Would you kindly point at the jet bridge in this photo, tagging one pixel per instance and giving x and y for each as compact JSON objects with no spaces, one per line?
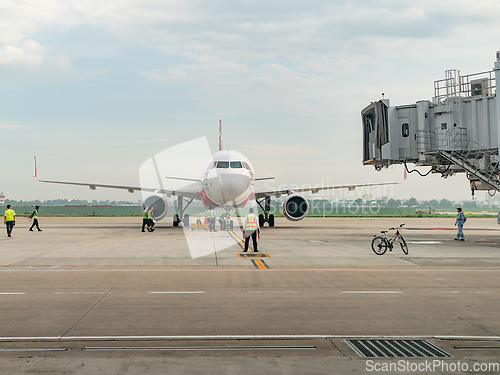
{"x":457,"y":132}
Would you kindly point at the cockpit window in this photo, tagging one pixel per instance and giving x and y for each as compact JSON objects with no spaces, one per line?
{"x":212,"y":165}
{"x":246,"y":165}
{"x":222,"y":164}
{"x":236,"y":164}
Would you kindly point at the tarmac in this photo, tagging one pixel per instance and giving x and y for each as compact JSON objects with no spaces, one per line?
{"x":98,"y":296}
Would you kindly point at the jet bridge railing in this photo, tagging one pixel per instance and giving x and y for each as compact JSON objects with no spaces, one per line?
{"x":458,"y":86}
{"x":479,"y":162}
{"x":431,"y":141}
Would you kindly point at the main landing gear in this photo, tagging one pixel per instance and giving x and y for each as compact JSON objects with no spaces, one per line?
{"x":181,"y":217}
{"x":266,"y":217}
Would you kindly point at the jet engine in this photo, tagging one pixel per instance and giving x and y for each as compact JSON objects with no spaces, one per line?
{"x":295,"y":207}
{"x":159,"y":204}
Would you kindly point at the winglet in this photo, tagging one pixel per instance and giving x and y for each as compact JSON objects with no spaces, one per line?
{"x":36,"y":174}
{"x":220,"y":135}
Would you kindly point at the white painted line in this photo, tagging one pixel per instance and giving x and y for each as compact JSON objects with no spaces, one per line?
{"x":200,"y":348}
{"x":371,"y":292}
{"x":458,"y":292}
{"x":273,"y":291}
{"x":80,"y":292}
{"x":424,"y":242}
{"x":176,"y":292}
{"x":7,"y":294}
{"x":34,"y":350}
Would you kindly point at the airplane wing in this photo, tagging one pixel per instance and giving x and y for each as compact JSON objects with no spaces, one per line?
{"x":188,"y":193}
{"x":315,"y":189}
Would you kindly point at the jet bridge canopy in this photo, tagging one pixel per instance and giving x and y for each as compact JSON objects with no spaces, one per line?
{"x":375,"y":131}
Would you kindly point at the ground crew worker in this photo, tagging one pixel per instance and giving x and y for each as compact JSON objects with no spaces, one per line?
{"x":34,"y":216}
{"x":144,"y":218}
{"x":151,"y":220}
{"x":461,"y":219}
{"x":212,"y":216}
{"x":250,"y":229}
{"x":9,"y":219}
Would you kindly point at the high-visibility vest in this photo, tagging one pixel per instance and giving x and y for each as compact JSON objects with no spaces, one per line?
{"x":213,"y":214}
{"x":9,"y":215}
{"x":150,"y":215}
{"x":145,"y":214}
{"x":35,"y":214}
{"x":251,"y":222}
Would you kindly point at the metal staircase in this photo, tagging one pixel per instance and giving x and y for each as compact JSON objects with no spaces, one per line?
{"x":480,"y":163}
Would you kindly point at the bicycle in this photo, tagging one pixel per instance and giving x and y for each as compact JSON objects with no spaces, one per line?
{"x":380,"y":243}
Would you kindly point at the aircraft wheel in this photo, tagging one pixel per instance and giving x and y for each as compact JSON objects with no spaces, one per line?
{"x":231,"y":225}
{"x":222,"y":225}
{"x":261,"y":220}
{"x":271,"y":220}
{"x":176,"y":220}
{"x":186,"y":220}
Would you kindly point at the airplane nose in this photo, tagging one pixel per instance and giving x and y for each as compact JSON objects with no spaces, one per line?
{"x":234,"y":186}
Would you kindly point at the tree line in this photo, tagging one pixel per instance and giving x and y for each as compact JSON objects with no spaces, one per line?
{"x":66,"y":202}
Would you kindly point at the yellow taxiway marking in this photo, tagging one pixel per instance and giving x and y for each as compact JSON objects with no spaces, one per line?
{"x":237,"y":239}
{"x":253,"y":255}
{"x":260,"y":264}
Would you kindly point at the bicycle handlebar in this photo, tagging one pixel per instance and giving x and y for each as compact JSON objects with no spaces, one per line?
{"x":401,"y":226}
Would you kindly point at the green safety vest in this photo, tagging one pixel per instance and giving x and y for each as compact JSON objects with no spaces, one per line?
{"x":145,"y":214}
{"x":150,"y":215}
{"x":251,"y":222}
{"x":9,"y":215}
{"x":35,"y":214}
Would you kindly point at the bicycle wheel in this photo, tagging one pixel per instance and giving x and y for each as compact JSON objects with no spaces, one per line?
{"x":403,"y":244}
{"x":379,"y":245}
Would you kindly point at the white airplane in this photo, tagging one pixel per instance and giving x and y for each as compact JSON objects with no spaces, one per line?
{"x":228,"y":181}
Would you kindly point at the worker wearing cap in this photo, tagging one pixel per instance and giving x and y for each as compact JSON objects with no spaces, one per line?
{"x":9,"y":219}
{"x":250,"y":229}
{"x":144,"y":218}
{"x":34,"y":216}
{"x":461,"y":219}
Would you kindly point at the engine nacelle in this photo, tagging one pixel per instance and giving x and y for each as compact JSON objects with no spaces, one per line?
{"x":159,"y":204}
{"x":295,"y":207}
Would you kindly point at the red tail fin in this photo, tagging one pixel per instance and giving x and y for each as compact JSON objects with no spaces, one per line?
{"x":220,"y":135}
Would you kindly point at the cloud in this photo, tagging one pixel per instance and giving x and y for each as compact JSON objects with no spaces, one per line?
{"x":19,"y":20}
{"x":29,"y":52}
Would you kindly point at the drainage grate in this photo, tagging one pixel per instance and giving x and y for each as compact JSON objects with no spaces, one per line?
{"x":395,"y":348}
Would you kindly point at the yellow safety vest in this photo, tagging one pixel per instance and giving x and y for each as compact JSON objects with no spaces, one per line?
{"x":9,"y":215}
{"x":35,"y":214}
{"x":145,"y":214}
{"x":251,"y":222}
{"x":150,"y":215}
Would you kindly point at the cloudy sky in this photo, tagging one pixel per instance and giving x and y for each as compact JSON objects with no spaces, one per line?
{"x":95,"y":88}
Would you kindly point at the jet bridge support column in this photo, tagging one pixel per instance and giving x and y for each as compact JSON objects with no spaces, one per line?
{"x":496,"y":68}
